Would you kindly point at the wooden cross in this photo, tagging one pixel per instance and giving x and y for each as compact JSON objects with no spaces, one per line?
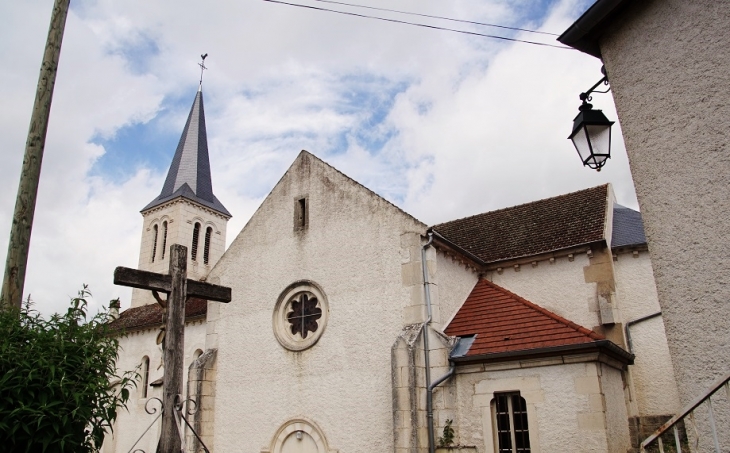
{"x":178,"y":288}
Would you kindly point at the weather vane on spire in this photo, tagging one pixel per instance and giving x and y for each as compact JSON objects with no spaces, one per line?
{"x":202,"y":68}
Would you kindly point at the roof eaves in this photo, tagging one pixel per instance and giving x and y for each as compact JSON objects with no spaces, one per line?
{"x":583,"y":34}
{"x":610,"y":348}
{"x":476,"y":261}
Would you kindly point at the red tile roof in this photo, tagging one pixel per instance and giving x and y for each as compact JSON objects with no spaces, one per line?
{"x":529,"y":229}
{"x":151,"y":315}
{"x":505,"y":322}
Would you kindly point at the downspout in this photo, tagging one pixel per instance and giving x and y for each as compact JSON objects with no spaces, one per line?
{"x":426,"y":348}
{"x":429,"y":404}
{"x":636,"y":321}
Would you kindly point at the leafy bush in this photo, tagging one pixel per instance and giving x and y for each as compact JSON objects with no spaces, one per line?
{"x":59,"y":391}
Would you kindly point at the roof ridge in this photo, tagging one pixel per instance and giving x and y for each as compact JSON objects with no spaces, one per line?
{"x":523,"y":204}
{"x":546,"y":312}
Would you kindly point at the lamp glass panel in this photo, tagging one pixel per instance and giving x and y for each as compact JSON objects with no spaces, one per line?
{"x":600,"y":137}
{"x":580,"y":140}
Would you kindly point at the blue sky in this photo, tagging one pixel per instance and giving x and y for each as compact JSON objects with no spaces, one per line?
{"x":444,"y":125}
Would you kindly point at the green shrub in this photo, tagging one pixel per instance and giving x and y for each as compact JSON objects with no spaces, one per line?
{"x":55,"y":375}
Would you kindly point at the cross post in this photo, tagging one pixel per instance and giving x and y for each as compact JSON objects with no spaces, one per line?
{"x":178,"y":288}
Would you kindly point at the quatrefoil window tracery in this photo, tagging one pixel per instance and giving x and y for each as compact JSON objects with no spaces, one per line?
{"x":304,"y":314}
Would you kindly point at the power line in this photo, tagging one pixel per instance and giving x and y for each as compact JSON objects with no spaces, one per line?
{"x":433,"y":27}
{"x":439,"y":17}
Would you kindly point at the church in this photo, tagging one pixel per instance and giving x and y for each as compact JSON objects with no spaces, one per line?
{"x":354,"y":327}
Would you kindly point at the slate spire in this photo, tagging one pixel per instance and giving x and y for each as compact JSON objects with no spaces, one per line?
{"x":189,"y":174}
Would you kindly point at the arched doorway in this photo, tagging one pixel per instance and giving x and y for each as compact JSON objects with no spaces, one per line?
{"x":299,"y":436}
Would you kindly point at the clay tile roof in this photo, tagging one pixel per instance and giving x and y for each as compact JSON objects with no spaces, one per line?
{"x":529,"y":229}
{"x":505,"y":322}
{"x":151,"y":315}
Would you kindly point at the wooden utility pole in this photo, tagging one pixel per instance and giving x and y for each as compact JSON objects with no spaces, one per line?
{"x":178,"y":288}
{"x":17,"y":259}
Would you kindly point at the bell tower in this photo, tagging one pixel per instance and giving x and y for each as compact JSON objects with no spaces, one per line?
{"x":186,"y":211}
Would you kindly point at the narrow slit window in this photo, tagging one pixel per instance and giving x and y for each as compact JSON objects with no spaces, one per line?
{"x":206,"y":250}
{"x":145,"y":375}
{"x":301,"y":216}
{"x":194,"y":248}
{"x":164,"y":238}
{"x":510,"y":416}
{"x":154,"y":242}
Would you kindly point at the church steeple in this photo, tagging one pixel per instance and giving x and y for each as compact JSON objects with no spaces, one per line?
{"x":189,"y":174}
{"x":186,"y":211}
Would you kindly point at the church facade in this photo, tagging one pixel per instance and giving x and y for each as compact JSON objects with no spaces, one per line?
{"x":354,"y":327}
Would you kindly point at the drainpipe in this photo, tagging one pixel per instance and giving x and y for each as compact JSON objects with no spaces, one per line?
{"x":429,"y":404}
{"x":426,"y":348}
{"x":636,"y":321}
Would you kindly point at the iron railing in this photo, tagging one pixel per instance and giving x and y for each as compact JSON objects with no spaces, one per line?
{"x":688,"y":414}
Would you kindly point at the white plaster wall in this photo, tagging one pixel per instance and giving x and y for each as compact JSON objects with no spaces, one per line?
{"x":559,"y":287}
{"x":652,"y":373}
{"x":668,"y":66}
{"x":352,"y":250}
{"x":565,"y":406}
{"x":132,"y":422}
{"x":452,"y":284}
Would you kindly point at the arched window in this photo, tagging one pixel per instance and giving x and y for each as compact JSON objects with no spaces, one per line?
{"x":509,"y":411}
{"x":164,"y":238}
{"x":145,"y":375}
{"x":154,"y":242}
{"x":206,"y":250}
{"x":194,"y":248}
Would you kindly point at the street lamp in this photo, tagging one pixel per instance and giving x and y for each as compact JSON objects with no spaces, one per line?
{"x":591,"y":134}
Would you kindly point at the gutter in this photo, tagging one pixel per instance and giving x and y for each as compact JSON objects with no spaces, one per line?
{"x":583,"y":34}
{"x":605,"y":345}
{"x":636,"y":321}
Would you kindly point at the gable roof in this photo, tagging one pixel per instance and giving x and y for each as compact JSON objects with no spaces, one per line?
{"x":151,"y":315}
{"x":529,"y":229}
{"x":189,"y":173}
{"x":505,"y":322}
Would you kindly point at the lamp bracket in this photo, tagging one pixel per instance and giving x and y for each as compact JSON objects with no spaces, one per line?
{"x":586,"y":96}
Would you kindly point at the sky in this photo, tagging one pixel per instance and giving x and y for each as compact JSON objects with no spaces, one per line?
{"x":443,"y":124}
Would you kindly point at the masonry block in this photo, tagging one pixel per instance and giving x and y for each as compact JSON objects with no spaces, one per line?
{"x":586,"y":385}
{"x":592,"y":421}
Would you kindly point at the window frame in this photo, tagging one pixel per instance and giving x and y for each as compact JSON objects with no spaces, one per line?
{"x":510,"y":412}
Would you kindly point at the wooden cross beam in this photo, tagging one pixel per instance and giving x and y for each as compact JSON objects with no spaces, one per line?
{"x":178,"y":288}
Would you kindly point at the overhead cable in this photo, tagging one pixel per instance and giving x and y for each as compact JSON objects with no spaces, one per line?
{"x":433,"y":27}
{"x":439,"y":17}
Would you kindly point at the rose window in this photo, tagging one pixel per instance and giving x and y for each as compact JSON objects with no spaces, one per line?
{"x":300,"y":315}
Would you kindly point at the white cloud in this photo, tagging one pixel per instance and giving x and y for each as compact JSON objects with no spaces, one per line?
{"x":475,"y":124}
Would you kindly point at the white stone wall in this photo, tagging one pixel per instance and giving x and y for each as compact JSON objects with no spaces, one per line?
{"x":559,"y":286}
{"x":668,"y":66}
{"x":655,"y":388}
{"x":566,"y":405}
{"x":451,"y":286}
{"x":181,"y":216}
{"x":352,"y":250}
{"x":131,"y":423}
